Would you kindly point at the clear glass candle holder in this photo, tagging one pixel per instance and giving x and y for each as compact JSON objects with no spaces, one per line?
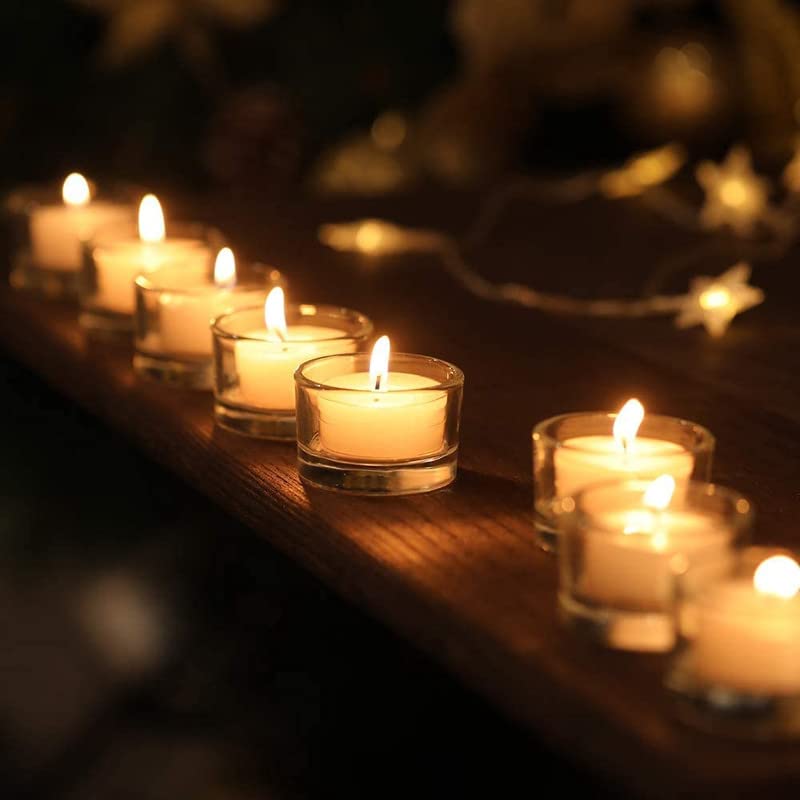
{"x":737,"y":670}
{"x":175,"y":308}
{"x":572,"y":451}
{"x":620,"y":558}
{"x":400,"y":440}
{"x":254,"y":388}
{"x":115,"y":257}
{"x":48,"y":235}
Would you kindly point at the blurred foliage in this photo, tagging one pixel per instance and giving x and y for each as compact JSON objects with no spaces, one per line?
{"x":96,"y":92}
{"x":249,"y":95}
{"x":136,"y":26}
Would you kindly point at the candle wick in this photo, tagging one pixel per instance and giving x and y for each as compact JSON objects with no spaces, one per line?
{"x":377,"y":382}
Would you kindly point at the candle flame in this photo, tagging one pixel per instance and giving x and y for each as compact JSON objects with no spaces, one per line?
{"x":658,"y":494}
{"x":779,"y":576}
{"x":657,"y":497}
{"x":379,"y":365}
{"x":225,"y":268}
{"x":75,"y":190}
{"x":638,"y":521}
{"x":151,"y":220}
{"x":627,"y":423}
{"x":275,"y":314}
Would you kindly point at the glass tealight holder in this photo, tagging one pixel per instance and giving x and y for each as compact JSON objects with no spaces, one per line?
{"x":175,"y":308}
{"x":737,"y":670}
{"x":254,"y":388}
{"x":572,"y":451}
{"x":619,"y":559}
{"x":48,"y":236}
{"x":115,"y":256}
{"x":400,"y":439}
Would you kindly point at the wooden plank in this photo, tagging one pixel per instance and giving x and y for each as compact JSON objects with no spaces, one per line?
{"x":458,"y":572}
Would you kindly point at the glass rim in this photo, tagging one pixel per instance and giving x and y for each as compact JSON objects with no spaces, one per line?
{"x":144,"y":282}
{"x":198,"y":233}
{"x":364,"y":326}
{"x":741,"y":517}
{"x":457,"y":379}
{"x":22,"y":199}
{"x":542,"y":430}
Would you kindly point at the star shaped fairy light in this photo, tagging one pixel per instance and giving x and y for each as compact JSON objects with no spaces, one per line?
{"x":714,"y":302}
{"x":735,"y":196}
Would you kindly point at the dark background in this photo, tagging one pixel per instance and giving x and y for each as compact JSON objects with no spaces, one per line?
{"x":248,"y":95}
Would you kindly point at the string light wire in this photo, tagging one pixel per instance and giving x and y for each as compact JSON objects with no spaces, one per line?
{"x":643,"y":175}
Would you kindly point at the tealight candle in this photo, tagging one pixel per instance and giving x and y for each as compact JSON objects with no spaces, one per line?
{"x":738,"y":671}
{"x":258,"y":351}
{"x":118,"y":256}
{"x":118,"y":263}
{"x":58,"y":231}
{"x":747,"y":635}
{"x":267,"y":357}
{"x":623,"y":544}
{"x":177,"y":306}
{"x":366,"y":428}
{"x":380,"y":415}
{"x":582,"y":460}
{"x":631,"y":567}
{"x":573,"y":451}
{"x":50,"y":230}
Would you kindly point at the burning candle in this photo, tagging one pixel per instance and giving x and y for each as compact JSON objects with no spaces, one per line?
{"x":630,"y":567}
{"x":381,"y":415}
{"x":176,"y":307}
{"x":266,"y":358}
{"x":193,"y":299}
{"x":367,"y":427}
{"x":572,"y":451}
{"x":256,"y":353}
{"x":58,"y":231}
{"x":118,"y":261}
{"x":625,"y":544}
{"x":581,"y":460}
{"x":747,"y":635}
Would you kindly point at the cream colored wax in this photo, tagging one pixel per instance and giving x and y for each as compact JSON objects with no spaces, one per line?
{"x":748,"y":640}
{"x":266,"y":365}
{"x":583,"y":460}
{"x":398,"y":424}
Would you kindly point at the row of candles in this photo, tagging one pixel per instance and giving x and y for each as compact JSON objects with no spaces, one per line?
{"x":652,"y":555}
{"x":278,"y":370}
{"x":650,"y":552}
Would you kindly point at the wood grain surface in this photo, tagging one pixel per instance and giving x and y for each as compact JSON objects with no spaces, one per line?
{"x":458,"y":572}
